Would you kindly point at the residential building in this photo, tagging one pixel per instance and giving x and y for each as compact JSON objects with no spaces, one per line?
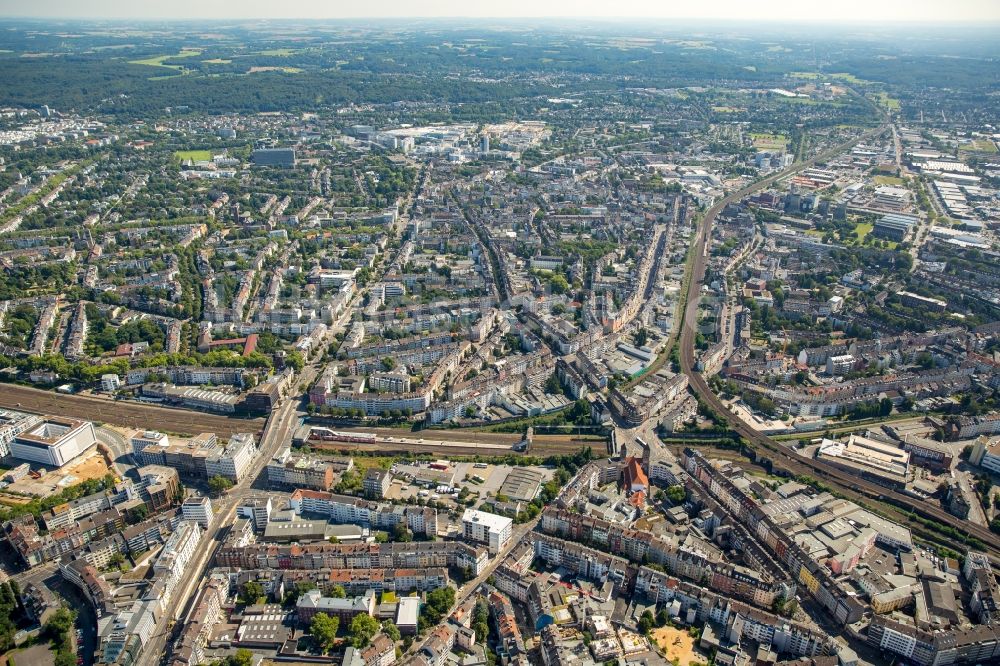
{"x":376,"y":483}
{"x":313,"y":602}
{"x":300,"y":471}
{"x":110,"y":382}
{"x":487,"y":528}
{"x":986,"y":453}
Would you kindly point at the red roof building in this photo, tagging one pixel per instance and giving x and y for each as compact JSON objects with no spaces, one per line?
{"x":634,"y":479}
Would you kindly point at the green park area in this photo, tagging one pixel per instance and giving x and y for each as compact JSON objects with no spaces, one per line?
{"x":862,"y":229}
{"x":193,"y":155}
{"x":764,"y":141}
{"x":888,"y":101}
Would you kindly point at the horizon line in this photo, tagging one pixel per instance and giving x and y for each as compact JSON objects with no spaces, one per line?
{"x":991,"y":22}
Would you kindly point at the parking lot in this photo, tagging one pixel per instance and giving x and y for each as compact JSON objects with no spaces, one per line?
{"x":433,"y":480}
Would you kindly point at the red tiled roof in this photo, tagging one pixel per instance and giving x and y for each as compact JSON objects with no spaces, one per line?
{"x":634,"y":474}
{"x":251,"y":344}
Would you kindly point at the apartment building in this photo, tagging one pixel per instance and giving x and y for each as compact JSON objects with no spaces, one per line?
{"x":487,"y":528}
{"x":313,"y":602}
{"x":414,"y":555}
{"x":171,"y":563}
{"x":348,"y":510}
{"x":300,"y":471}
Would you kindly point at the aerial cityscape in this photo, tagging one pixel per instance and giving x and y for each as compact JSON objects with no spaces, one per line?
{"x":491,"y":340}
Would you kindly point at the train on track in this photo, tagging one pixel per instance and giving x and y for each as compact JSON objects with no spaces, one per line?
{"x":318,"y":433}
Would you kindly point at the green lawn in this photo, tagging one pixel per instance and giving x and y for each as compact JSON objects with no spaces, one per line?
{"x":850,"y":78}
{"x":863,"y":229}
{"x":888,"y":180}
{"x":979,"y":146}
{"x":765,"y":141}
{"x":888,"y":102}
{"x":194,"y":155}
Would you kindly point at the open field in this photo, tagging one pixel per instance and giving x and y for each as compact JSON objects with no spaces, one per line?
{"x":121,"y":413}
{"x":888,"y":102}
{"x":979,"y":146}
{"x":769,"y":141}
{"x":276,"y":52}
{"x":194,"y":155}
{"x":159,"y":61}
{"x":286,"y":70}
{"x":36,"y":655}
{"x":846,"y":76}
{"x":889,"y":180}
{"x":217,"y":61}
{"x":678,"y":645}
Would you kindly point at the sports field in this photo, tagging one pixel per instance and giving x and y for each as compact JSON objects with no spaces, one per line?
{"x":193,"y":155}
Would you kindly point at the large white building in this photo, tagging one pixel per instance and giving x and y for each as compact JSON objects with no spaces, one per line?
{"x":53,"y":440}
{"x":256,"y":509}
{"x":148,"y":438}
{"x":986,"y":453}
{"x":172,"y":562}
{"x":198,"y":509}
{"x":235,"y":460}
{"x":488,"y":528}
{"x":200,"y":457}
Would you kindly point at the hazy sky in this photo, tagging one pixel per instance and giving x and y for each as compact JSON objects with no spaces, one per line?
{"x":789,"y":10}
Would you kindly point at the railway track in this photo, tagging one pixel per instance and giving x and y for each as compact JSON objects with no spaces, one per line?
{"x":444,"y":448}
{"x":781,"y":455}
{"x":121,"y":413}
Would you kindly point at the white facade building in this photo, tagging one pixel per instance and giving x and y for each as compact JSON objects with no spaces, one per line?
{"x":110,"y":382}
{"x":149,"y":438}
{"x":235,"y":461}
{"x":54,"y":441}
{"x":172,"y":562}
{"x":198,"y":509}
{"x":487,"y":528}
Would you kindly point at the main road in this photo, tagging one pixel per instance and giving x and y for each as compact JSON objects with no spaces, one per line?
{"x":277,"y":432}
{"x":782,"y":455}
